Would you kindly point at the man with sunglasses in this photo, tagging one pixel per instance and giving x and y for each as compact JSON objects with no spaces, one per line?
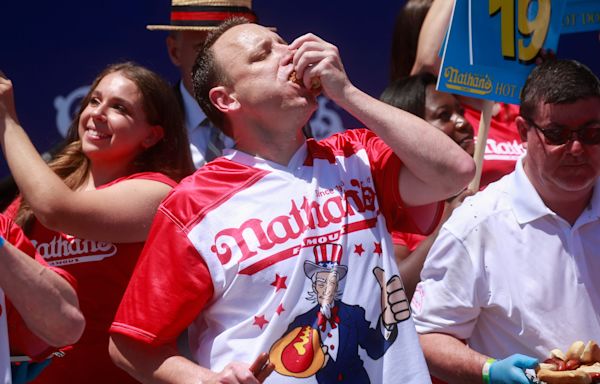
{"x":514,"y":272}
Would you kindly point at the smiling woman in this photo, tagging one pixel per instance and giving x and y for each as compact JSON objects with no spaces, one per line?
{"x":89,"y":210}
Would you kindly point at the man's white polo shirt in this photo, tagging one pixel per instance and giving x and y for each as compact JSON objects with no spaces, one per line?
{"x":508,"y":275}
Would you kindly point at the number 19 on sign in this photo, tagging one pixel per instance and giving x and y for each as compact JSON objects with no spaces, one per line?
{"x":532,"y":31}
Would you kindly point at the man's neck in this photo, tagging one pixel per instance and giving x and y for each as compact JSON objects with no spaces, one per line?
{"x":269,"y":148}
{"x":569,"y":210}
{"x":274,"y":142}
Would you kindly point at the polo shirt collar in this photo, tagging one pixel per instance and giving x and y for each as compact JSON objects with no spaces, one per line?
{"x":593,"y":208}
{"x":526,"y":202}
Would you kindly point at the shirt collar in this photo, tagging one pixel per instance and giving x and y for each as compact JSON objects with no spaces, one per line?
{"x":529,"y":206}
{"x":593,"y":208}
{"x":295,"y":163}
{"x":526,"y":202}
{"x":193,"y":113}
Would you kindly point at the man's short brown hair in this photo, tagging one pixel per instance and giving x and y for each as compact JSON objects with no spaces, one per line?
{"x":206,"y":74}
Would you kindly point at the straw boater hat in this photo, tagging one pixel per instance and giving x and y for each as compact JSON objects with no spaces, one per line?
{"x":204,"y":15}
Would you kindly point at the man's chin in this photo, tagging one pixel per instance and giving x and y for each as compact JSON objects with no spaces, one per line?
{"x":577,"y":182}
{"x":306,"y":103}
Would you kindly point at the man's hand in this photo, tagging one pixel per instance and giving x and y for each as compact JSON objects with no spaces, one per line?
{"x":234,"y":373}
{"x":240,"y":373}
{"x":394,"y":303}
{"x":511,"y":369}
{"x":318,"y":64}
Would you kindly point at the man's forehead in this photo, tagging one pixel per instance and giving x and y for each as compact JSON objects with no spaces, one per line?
{"x":245,"y":36}
{"x":579,"y":111}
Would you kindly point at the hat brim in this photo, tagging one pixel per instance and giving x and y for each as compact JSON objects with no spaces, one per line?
{"x":311,"y":268}
{"x":188,"y":28}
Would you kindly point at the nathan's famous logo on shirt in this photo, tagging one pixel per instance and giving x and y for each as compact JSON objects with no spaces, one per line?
{"x":332,"y":207}
{"x":72,"y":250}
{"x":503,"y":150}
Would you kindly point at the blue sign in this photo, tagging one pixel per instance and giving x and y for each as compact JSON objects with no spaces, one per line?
{"x":510,"y":33}
{"x":581,"y":16}
{"x":491,"y":45}
{"x":459,"y":74}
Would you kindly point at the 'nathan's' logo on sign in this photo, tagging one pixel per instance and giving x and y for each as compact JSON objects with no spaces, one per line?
{"x":467,"y":82}
{"x":63,"y":251}
{"x":255,"y":234}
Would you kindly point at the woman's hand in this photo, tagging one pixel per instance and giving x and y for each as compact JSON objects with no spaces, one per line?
{"x":7,"y":103}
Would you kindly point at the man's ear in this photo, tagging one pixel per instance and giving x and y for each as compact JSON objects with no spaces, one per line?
{"x":173,"y":49}
{"x":222,"y":99}
{"x":154,"y":136}
{"x":522,"y":127}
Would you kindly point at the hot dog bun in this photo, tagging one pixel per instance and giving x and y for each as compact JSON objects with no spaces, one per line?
{"x":580,"y":365}
{"x":591,"y":353}
{"x":575,"y":350}
{"x":564,"y":377}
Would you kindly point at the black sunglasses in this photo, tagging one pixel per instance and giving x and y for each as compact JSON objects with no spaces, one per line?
{"x":589,"y":135}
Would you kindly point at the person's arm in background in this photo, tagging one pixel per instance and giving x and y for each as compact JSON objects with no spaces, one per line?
{"x":454,"y":362}
{"x":435,"y":168}
{"x":45,"y":301}
{"x":431,"y":36}
{"x":449,"y":359}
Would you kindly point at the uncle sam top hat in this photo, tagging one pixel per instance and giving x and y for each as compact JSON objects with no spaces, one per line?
{"x":205,"y":15}
{"x":327,"y":258}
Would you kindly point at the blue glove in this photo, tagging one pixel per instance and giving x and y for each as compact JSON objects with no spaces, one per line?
{"x":511,"y":369}
{"x":25,"y":371}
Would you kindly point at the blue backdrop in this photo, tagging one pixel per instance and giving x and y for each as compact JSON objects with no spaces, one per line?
{"x":52,"y":49}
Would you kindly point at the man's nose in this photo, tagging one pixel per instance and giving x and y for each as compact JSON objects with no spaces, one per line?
{"x":284,"y":53}
{"x":575,"y":146}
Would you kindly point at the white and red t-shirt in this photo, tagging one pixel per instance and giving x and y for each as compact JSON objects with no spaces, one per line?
{"x":102,"y":271}
{"x":232,"y":248}
{"x":503,"y":147}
